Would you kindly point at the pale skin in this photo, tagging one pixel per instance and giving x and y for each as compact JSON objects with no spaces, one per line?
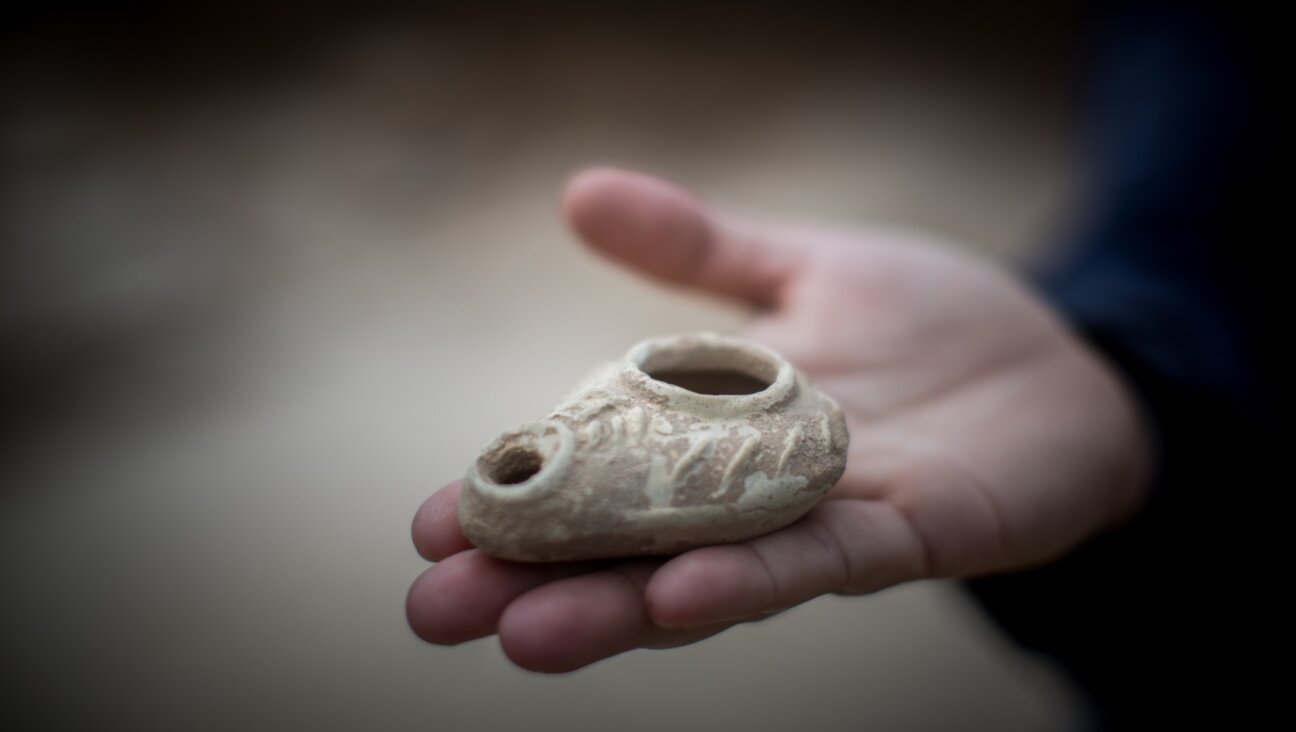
{"x":985,"y":436}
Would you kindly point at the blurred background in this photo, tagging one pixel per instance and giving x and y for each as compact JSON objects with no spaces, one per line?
{"x":271,"y":276}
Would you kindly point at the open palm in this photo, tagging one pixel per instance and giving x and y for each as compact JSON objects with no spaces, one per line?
{"x":984,"y":436}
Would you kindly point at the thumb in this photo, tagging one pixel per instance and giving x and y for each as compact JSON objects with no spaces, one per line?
{"x":668,"y":233}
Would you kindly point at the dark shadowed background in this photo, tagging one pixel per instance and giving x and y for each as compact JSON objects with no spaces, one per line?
{"x":269,"y":277}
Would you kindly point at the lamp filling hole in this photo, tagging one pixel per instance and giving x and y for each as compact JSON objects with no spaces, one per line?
{"x":515,"y":466}
{"x":721,"y":382}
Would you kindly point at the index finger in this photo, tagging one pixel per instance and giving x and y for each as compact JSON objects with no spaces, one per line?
{"x":436,"y":529}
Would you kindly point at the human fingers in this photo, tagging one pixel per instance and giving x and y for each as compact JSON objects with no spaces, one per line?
{"x":461,"y":598}
{"x":850,"y":546}
{"x":436,"y":529}
{"x":666,"y":232}
{"x":573,"y":622}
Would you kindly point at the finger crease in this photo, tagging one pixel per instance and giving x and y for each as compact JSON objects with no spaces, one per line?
{"x":774,"y":590}
{"x":1000,"y":528}
{"x":925,"y":552}
{"x":829,"y":542}
{"x":637,"y":588}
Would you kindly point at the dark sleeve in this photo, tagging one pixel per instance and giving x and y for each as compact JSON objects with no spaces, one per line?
{"x":1165,"y":275}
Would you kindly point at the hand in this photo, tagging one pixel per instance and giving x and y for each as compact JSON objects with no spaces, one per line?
{"x":984,"y":437}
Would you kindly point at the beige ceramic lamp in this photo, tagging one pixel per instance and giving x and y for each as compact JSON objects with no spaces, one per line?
{"x":687,"y":441}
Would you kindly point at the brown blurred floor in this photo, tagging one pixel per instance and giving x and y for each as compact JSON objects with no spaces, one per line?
{"x":269,"y":280}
